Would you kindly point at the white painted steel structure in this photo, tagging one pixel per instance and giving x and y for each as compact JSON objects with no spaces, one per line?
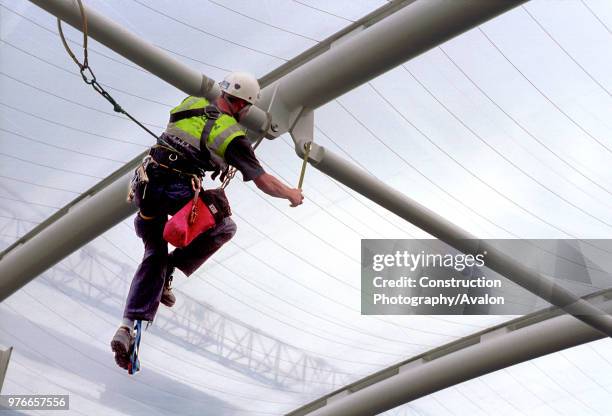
{"x":400,"y":36}
{"x":81,"y":297}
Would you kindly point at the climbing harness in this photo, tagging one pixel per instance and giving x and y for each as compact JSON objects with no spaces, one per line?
{"x":87,"y":73}
{"x":211,"y":112}
{"x":134,"y":364}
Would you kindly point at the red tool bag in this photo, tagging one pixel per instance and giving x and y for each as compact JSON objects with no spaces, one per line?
{"x":196,"y":216}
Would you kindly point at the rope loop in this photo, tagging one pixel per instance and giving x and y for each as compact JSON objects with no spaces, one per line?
{"x":87,"y":73}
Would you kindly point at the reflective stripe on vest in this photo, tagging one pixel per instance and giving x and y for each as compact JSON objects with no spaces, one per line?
{"x":225,"y":129}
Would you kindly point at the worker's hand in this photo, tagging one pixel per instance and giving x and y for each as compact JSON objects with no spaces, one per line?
{"x":295,"y":196}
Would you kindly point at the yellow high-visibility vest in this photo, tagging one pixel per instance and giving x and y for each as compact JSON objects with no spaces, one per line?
{"x":223,"y":131}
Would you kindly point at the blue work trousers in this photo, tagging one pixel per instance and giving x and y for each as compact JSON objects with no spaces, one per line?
{"x":164,"y":195}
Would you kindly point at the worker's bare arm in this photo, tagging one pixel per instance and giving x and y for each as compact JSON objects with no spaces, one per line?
{"x":273,"y":187}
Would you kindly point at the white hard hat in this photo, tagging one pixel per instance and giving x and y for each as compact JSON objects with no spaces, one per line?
{"x":242,"y":85}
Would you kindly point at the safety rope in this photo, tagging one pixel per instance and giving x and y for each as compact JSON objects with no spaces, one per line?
{"x":307,"y":147}
{"x":87,"y":73}
{"x":90,"y":78}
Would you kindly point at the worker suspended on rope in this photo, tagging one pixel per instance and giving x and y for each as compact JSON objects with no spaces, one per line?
{"x":200,"y":137}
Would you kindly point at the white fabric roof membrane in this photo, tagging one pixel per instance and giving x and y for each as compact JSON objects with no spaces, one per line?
{"x":504,"y":130}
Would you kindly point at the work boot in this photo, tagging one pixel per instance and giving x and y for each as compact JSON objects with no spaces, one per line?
{"x":168,"y":297}
{"x":121,"y":346}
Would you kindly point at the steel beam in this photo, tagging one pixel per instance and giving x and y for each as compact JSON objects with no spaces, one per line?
{"x":348,"y":62}
{"x":50,"y":242}
{"x":132,"y":47}
{"x":376,"y":190}
{"x":495,"y":348}
{"x":88,"y":216}
{"x":364,"y":54}
{"x":146,"y":55}
{"x":406,"y":33}
{"x":5,"y":357}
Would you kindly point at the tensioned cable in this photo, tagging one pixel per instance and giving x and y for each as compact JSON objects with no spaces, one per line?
{"x":23,"y":388}
{"x":584,"y":373}
{"x":441,"y":149}
{"x":138,"y":380}
{"x":22,"y":111}
{"x":53,"y":32}
{"x":300,"y":225}
{"x":42,"y":186}
{"x":413,"y":126}
{"x":405,"y":161}
{"x":320,"y":270}
{"x":72,"y":73}
{"x":521,"y":126}
{"x":294,"y":326}
{"x":28,"y":138}
{"x":373,"y":134}
{"x":398,"y":226}
{"x":470,"y":172}
{"x":50,"y":167}
{"x":29,"y":202}
{"x":174,"y":19}
{"x":508,"y":402}
{"x":323,"y":11}
{"x":349,"y":156}
{"x":186,"y":360}
{"x":249,"y":188}
{"x":324,"y":318}
{"x":323,"y":209}
{"x":48,"y":29}
{"x":155,"y":368}
{"x":596,"y":17}
{"x":158,"y":369}
{"x":273,"y":318}
{"x":336,"y":302}
{"x":569,"y":393}
{"x":521,"y":384}
{"x":574,"y":122}
{"x":133,"y":95}
{"x":565,"y":50}
{"x":341,"y":188}
{"x":72,"y":101}
{"x":500,"y":154}
{"x":125,"y":92}
{"x":419,"y":330}
{"x":17,"y":219}
{"x":111,"y":296}
{"x":35,"y":23}
{"x":262,"y":22}
{"x":182,"y":55}
{"x":110,"y":138}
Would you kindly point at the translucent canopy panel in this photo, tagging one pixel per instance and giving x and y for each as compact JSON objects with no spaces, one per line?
{"x":573,"y":382}
{"x":504,"y":131}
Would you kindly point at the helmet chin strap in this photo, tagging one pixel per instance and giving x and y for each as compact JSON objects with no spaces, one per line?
{"x":242,"y":112}
{"x":227,"y":102}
